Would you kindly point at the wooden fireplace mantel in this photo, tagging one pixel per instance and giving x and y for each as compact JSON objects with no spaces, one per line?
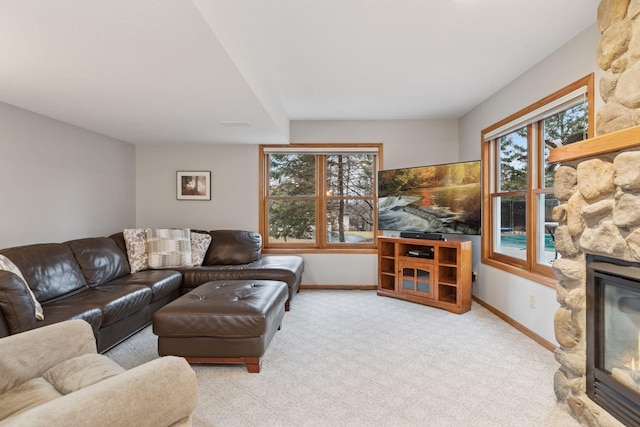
{"x":614,"y":141}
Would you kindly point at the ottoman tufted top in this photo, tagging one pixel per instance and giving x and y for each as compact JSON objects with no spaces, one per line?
{"x":222,"y":309}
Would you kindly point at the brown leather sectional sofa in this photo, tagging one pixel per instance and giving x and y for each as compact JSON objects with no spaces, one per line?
{"x":90,"y":279}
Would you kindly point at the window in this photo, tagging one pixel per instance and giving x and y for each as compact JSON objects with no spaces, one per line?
{"x":518,"y":192}
{"x":319,"y":197}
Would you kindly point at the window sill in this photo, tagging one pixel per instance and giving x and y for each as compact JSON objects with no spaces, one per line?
{"x":530,"y":275}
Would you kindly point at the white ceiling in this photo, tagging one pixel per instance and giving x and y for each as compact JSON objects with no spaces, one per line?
{"x":171,"y":71}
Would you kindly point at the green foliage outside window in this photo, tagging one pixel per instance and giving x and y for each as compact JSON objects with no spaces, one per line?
{"x":348,"y":202}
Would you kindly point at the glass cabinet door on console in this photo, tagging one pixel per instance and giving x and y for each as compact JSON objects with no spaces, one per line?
{"x":431,"y":272}
{"x":416,"y":278}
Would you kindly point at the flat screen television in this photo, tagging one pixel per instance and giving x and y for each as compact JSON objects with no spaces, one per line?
{"x":443,"y":198}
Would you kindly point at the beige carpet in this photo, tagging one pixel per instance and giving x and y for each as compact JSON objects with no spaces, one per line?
{"x":352,"y":358}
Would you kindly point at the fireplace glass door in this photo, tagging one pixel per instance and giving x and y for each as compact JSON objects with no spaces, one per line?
{"x":621,"y":324}
{"x":613,"y":341}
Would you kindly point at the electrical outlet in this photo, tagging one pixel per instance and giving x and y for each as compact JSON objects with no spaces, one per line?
{"x":532,"y":301}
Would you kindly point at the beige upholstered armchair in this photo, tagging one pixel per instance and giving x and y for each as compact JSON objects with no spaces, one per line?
{"x":52,"y":376}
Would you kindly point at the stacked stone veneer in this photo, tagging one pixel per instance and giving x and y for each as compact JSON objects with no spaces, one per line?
{"x":600,"y":204}
{"x":618,"y":55}
{"x":599,"y":214}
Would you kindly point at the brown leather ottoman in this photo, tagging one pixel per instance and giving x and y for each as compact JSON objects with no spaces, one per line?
{"x":224,"y":321}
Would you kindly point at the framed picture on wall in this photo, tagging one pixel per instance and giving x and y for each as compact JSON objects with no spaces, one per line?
{"x":193,"y":185}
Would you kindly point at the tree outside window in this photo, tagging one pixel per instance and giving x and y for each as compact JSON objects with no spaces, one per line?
{"x":292,"y":191}
{"x":349,"y":198}
{"x":319,"y":200}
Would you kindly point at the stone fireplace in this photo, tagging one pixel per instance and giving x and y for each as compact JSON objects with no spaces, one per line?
{"x":598,"y":185}
{"x":599,"y":215}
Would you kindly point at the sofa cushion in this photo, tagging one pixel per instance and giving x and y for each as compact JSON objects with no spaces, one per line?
{"x":284,"y":268}
{"x":15,"y":303}
{"x":82,"y":371}
{"x":233,"y":247}
{"x":100,"y":259}
{"x":62,"y":309}
{"x":161,"y":282}
{"x":136,"y":242}
{"x":66,"y":377}
{"x":117,"y":301}
{"x":7,"y":265}
{"x":168,"y":247}
{"x":114,"y":302}
{"x":50,"y":269}
{"x":25,"y":396}
{"x":199,"y":244}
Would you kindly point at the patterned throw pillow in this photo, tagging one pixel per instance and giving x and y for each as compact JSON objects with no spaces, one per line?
{"x":135,"y":239}
{"x":169,"y":247}
{"x":7,"y":265}
{"x":199,"y":245}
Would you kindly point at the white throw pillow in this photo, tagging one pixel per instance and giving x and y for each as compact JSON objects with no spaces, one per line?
{"x":169,"y":247}
{"x":199,"y":244}
{"x":135,"y":239}
{"x":7,"y":265}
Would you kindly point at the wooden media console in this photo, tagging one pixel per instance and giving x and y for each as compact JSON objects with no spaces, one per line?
{"x":431,"y":272}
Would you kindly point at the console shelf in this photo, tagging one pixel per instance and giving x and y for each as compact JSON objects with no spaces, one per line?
{"x":430,"y":272}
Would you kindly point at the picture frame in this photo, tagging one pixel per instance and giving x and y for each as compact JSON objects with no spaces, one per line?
{"x":193,"y":185}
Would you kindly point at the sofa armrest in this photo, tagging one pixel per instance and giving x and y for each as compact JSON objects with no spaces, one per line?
{"x":16,"y":306}
{"x":29,"y":354}
{"x":158,"y":393}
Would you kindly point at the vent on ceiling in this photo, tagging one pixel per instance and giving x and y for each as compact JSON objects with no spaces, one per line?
{"x":235,"y":124}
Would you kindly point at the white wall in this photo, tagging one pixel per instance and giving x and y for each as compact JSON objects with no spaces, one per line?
{"x":506,"y":292}
{"x":234,"y":189}
{"x":574,"y":60}
{"x":61,"y":182}
{"x":406,"y":143}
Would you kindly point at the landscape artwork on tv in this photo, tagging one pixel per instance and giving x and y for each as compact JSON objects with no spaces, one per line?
{"x":432,"y":199}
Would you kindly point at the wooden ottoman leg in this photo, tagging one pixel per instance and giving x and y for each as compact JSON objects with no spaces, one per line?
{"x":253,"y":364}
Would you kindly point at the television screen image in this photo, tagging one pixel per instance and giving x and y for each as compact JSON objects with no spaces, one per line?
{"x":442,"y":198}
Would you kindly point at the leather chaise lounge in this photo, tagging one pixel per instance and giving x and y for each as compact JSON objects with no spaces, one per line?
{"x":91,"y":279}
